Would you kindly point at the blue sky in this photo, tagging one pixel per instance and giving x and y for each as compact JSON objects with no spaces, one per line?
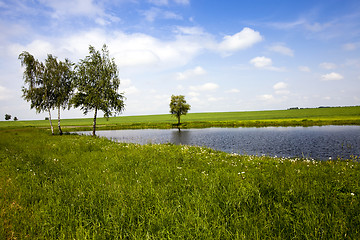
{"x":222,"y":55}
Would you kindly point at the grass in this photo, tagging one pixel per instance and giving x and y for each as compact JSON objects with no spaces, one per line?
{"x":296,"y":117}
{"x":80,"y":187}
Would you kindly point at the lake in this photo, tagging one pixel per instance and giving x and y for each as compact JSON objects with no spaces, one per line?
{"x":320,"y":143}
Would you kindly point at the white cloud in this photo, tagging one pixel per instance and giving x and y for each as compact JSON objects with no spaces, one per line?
{"x":282,"y":49}
{"x":204,"y":87}
{"x":239,"y":41}
{"x":197,"y":71}
{"x":265,"y":63}
{"x":266,"y":97}
{"x":328,"y":65}
{"x":183,"y":2}
{"x":166,"y":2}
{"x":280,"y":85}
{"x":159,"y":2}
{"x":129,"y":50}
{"x":189,"y":30}
{"x":127,"y":87}
{"x":233,"y":90}
{"x":154,"y":13}
{"x":304,"y":68}
{"x":87,"y":8}
{"x":261,"y":62}
{"x":332,"y":76}
{"x":281,"y":88}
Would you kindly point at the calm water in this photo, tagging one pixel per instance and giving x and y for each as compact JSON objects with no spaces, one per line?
{"x":312,"y":142}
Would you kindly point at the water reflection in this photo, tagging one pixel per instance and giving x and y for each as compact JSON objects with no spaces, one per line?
{"x":180,"y":137}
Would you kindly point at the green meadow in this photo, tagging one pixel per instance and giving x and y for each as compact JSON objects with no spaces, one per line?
{"x":295,"y":117}
{"x":82,"y":187}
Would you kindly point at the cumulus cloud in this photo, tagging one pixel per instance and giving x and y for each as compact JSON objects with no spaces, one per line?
{"x":239,"y":41}
{"x":282,"y":49}
{"x":332,"y":77}
{"x":197,"y":71}
{"x":281,"y":88}
{"x":328,"y":65}
{"x":261,"y":62}
{"x":280,"y":85}
{"x":265,"y":63}
{"x":204,"y":87}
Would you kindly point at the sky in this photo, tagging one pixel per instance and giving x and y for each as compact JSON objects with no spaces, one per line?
{"x":232,"y":55}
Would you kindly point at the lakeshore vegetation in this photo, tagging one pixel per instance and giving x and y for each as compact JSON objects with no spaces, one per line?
{"x":83,"y":187}
{"x":291,"y":117}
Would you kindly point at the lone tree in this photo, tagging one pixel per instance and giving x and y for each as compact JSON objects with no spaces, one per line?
{"x":97,"y":84}
{"x":7,"y":116}
{"x":178,"y":107}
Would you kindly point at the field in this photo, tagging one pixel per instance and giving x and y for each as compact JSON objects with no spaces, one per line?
{"x":81,"y":187}
{"x":296,"y":117}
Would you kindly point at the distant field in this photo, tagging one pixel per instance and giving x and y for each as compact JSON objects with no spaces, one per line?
{"x":295,"y":117}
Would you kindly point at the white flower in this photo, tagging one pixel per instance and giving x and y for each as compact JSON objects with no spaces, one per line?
{"x":352,"y":194}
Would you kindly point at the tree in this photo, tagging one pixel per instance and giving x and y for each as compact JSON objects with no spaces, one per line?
{"x":15,"y":118}
{"x":97,"y":84}
{"x":47,"y":86}
{"x":7,"y":117}
{"x":37,"y":89}
{"x":60,"y":75}
{"x":178,"y":107}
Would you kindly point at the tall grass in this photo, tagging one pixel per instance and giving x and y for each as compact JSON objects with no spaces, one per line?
{"x":80,"y":187}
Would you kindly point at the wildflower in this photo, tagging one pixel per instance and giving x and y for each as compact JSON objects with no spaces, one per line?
{"x":352,"y":194}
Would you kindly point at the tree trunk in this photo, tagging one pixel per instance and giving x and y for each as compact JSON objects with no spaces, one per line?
{"x":94,"y":124}
{"x":60,"y":131}
{"x":51,"y":126}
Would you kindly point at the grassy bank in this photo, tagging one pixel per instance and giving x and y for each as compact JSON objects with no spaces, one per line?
{"x":295,"y":117}
{"x":80,"y":187}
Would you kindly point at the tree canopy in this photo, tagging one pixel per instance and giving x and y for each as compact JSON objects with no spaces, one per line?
{"x":47,"y":86}
{"x":178,"y":106}
{"x":37,"y":89}
{"x":97,"y":84}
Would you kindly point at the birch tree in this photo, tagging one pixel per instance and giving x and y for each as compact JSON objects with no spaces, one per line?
{"x":60,"y":75}
{"x":37,"y":89}
{"x":97,"y":83}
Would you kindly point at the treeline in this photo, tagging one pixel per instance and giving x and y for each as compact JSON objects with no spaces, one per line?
{"x":92,"y":84}
{"x":295,"y":108}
